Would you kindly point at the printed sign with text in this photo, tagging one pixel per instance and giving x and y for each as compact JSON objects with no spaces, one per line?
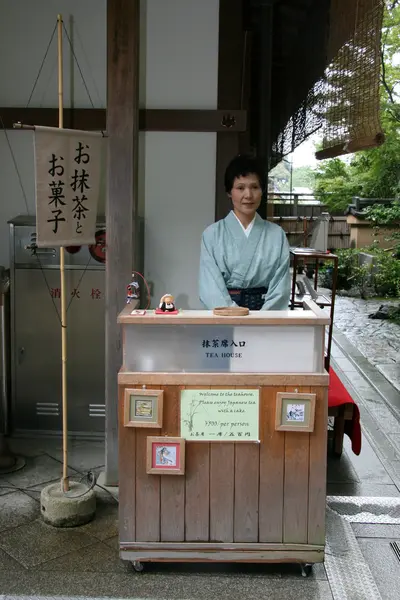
{"x":220,"y":415}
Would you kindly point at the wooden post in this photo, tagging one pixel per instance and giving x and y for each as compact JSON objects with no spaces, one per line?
{"x":230,"y":71}
{"x":264,"y":75}
{"x":65,"y":480}
{"x":123,"y":29}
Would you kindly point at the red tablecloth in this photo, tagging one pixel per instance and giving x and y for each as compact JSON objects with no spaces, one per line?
{"x":337,"y":396}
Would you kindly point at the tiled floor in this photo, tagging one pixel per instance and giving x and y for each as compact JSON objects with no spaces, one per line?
{"x":37,"y":561}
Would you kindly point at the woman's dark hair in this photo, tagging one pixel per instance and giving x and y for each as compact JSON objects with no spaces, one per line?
{"x":241,"y":166}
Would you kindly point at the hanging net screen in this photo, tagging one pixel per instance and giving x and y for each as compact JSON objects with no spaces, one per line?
{"x":345,"y":102}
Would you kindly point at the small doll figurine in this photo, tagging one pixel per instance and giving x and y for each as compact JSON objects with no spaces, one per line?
{"x":167,"y":303}
{"x":132,"y":291}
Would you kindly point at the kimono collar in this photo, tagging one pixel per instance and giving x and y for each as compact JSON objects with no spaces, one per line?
{"x":236,"y":228}
{"x":246,"y":247}
{"x":249,"y":227}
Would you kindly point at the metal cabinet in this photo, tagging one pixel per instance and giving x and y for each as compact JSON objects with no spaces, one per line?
{"x":37,"y":350}
{"x":36,"y":336}
{"x":4,"y":350}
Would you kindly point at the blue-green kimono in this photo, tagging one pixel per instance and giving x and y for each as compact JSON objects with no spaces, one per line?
{"x":230,"y":259}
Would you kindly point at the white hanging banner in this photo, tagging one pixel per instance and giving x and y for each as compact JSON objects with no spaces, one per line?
{"x":69,"y":165}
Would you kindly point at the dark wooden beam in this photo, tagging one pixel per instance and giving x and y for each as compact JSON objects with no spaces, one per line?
{"x":123,"y":31}
{"x":92,"y":119}
{"x":264,"y":99}
{"x":227,"y":121}
{"x":245,"y":101}
{"x":230,"y":78}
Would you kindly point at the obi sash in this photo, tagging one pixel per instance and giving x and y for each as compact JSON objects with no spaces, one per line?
{"x":251,"y":298}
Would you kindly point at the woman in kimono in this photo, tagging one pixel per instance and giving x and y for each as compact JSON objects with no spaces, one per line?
{"x":244,"y":260}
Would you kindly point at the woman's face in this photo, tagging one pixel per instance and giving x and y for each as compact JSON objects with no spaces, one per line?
{"x":246,"y":195}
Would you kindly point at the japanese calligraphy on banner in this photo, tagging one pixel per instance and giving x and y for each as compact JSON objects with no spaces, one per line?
{"x":68,"y":168}
{"x":220,"y":415}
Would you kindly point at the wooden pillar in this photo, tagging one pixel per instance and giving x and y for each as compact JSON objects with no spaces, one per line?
{"x":230,"y":62}
{"x":123,"y":30}
{"x":264,"y":125}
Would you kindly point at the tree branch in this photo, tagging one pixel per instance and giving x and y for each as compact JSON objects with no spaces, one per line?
{"x":394,"y":116}
{"x":385,"y":84}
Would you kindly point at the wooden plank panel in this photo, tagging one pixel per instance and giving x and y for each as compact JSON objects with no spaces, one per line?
{"x":147,"y":493}
{"x":318,"y":466}
{"x":222,"y":487}
{"x":172,"y":410}
{"x":172,"y":486}
{"x":197,"y":488}
{"x":247,"y":480}
{"x":222,"y":481}
{"x":148,"y":496}
{"x":214,"y":547}
{"x":295,"y":512}
{"x":197,"y":492}
{"x":271,"y":470}
{"x":127,"y":470}
{"x":247,"y":483}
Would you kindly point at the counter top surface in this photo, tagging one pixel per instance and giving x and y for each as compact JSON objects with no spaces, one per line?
{"x":312,"y":316}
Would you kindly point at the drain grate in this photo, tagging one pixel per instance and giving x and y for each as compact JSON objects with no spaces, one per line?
{"x":396,"y":549}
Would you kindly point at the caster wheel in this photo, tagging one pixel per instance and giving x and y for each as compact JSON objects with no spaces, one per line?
{"x":306,"y":570}
{"x":137,"y":566}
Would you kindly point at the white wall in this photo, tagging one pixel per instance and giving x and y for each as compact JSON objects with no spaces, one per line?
{"x":180,"y":189}
{"x":179,"y":69}
{"x":26,"y":27}
{"x":25,"y":31}
{"x":181,"y":58}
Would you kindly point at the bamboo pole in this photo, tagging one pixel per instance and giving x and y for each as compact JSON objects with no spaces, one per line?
{"x":65,"y":480}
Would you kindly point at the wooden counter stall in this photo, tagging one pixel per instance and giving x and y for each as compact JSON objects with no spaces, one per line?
{"x":222,"y":437}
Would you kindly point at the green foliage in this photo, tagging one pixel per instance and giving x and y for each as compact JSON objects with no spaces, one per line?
{"x":395,"y":315}
{"x":353,"y":274}
{"x":361,"y":278}
{"x":381,"y":278}
{"x":334,"y":185}
{"x":281,"y":176}
{"x":303,"y":177}
{"x":383,"y":216}
{"x":346,"y":263}
{"x":387,"y":275}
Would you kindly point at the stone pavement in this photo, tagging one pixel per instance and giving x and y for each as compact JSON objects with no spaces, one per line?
{"x":378,"y":340}
{"x":37,"y":561}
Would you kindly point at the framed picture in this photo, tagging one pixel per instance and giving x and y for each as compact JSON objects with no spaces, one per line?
{"x":165,"y":456}
{"x":143,"y":408}
{"x":294,"y":412}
